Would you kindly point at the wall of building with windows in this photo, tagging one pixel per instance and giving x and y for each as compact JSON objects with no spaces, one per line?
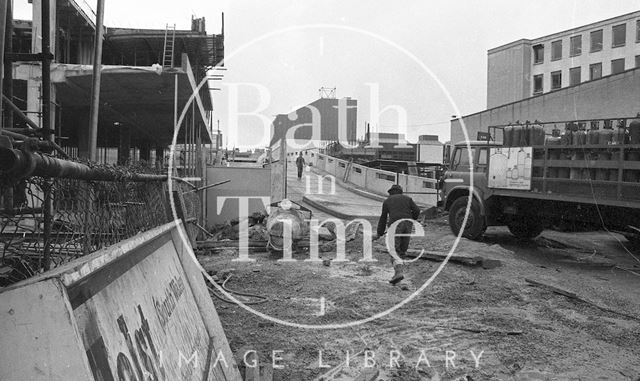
{"x":527,"y":68}
{"x":610,"y":97}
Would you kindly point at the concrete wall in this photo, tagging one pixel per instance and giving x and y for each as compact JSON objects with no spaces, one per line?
{"x":377,"y":181}
{"x":609,"y":97}
{"x":245,"y":181}
{"x":508,"y":67}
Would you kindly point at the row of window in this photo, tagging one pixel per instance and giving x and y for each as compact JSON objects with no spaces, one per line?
{"x":575,"y":74}
{"x":619,"y":38}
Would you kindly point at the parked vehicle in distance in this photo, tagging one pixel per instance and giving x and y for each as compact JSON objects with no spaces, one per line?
{"x":538,"y":177}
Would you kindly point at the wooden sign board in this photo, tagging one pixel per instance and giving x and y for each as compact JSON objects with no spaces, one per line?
{"x":138,"y":310}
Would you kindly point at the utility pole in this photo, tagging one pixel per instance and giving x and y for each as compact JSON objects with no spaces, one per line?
{"x":3,"y":29}
{"x":95,"y":86}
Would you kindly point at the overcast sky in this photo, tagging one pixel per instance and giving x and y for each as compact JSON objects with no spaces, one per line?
{"x":295,"y":55}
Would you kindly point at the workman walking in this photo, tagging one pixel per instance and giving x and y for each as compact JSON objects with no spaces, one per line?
{"x":398,"y":207}
{"x":300,"y":164}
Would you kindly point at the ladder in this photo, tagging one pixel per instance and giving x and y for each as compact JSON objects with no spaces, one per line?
{"x":169,"y":41}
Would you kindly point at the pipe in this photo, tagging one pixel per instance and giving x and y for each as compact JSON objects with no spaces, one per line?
{"x":41,"y":143}
{"x":24,"y":164}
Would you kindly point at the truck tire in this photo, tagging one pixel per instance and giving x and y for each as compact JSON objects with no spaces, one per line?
{"x":476,"y":224}
{"x":525,"y":228}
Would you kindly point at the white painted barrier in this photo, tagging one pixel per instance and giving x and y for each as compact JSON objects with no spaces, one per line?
{"x":421,"y":189}
{"x":137,"y":310}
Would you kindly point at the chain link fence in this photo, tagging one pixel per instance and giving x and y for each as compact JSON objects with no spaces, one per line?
{"x":82,"y":217}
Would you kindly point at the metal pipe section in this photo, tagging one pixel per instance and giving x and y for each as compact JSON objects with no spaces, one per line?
{"x":19,"y":112}
{"x":23,"y":164}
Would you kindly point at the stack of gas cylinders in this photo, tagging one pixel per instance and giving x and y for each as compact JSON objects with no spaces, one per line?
{"x":598,"y":140}
{"x":522,"y":135}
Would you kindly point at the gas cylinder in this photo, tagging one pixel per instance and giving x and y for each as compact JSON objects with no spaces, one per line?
{"x":507,"y":133}
{"x":634,"y":130}
{"x":517,"y":136}
{"x":620,"y":133}
{"x":567,"y":136}
{"x":593,"y":135}
{"x":605,"y":136}
{"x":536,"y":135}
{"x":579,"y":138}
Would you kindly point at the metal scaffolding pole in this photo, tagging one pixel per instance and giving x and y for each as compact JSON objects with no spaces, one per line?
{"x":3,"y":29}
{"x":46,"y":125}
{"x":95,"y":86}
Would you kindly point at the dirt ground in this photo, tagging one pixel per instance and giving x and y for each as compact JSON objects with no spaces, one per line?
{"x":469,"y":324}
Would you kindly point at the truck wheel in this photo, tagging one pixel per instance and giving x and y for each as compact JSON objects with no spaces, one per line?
{"x":525,"y":228}
{"x":475,"y":226}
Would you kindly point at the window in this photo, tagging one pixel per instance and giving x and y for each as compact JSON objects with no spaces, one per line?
{"x":617,"y":66}
{"x":342,"y":165}
{"x":619,"y":35}
{"x":538,"y":54}
{"x":574,"y":76}
{"x":482,"y":160}
{"x":556,"y":80}
{"x":461,"y":159}
{"x":595,"y":71}
{"x":358,"y":170}
{"x":537,"y":84}
{"x":637,"y":61}
{"x":596,"y":40}
{"x":637,"y":30}
{"x":575,"y":46}
{"x":556,"y":50}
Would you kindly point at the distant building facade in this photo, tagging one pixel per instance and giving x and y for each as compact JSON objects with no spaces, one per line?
{"x":336,"y":121}
{"x":526,"y":68}
{"x":589,"y":72}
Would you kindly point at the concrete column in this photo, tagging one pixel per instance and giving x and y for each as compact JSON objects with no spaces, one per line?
{"x":159,"y":157}
{"x":145,"y":152}
{"x":124,"y":146}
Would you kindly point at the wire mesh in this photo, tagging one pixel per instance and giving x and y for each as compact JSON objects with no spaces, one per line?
{"x":86,"y":216}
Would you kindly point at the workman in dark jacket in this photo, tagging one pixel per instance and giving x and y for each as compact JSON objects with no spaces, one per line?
{"x":300,"y":164}
{"x":397,"y":207}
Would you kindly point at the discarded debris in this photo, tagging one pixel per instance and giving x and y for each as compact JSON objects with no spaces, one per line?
{"x":484,"y":330}
{"x":463,"y":260}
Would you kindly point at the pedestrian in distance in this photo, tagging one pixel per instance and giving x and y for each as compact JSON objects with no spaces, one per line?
{"x":398,"y":207}
{"x":300,"y":164}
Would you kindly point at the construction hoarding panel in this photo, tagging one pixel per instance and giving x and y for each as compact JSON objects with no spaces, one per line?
{"x":137,"y":310}
{"x":137,"y":316}
{"x":510,"y":168}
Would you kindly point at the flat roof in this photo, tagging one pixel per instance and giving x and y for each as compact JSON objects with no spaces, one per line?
{"x":571,"y":31}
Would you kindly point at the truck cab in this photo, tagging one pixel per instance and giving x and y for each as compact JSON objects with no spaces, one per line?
{"x":467,"y":161}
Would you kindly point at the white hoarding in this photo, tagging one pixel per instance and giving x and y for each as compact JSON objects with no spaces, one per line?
{"x":510,"y":168}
